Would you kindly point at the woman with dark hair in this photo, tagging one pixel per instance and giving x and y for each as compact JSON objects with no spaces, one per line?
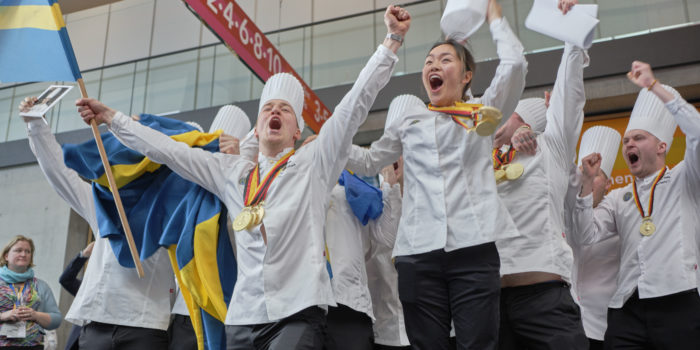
{"x":446,"y":258}
{"x":27,"y":306}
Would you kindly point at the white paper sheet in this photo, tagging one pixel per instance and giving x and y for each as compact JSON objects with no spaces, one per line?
{"x":576,"y":27}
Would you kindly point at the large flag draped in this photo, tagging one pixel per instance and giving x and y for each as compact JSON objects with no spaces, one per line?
{"x":34,"y":43}
{"x":165,"y":210}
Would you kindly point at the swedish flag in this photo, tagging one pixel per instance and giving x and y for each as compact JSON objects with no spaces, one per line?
{"x":165,"y":210}
{"x":34,"y":43}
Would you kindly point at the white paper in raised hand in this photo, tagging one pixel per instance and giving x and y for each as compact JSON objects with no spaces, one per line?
{"x":576,"y":27}
{"x":462,"y":18}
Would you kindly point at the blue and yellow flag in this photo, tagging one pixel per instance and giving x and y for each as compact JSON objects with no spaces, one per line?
{"x":34,"y":43}
{"x":165,"y":210}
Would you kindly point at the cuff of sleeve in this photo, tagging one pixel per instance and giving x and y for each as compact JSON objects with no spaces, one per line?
{"x":584,"y":202}
{"x":497,"y":24}
{"x":674,"y":105}
{"x":36,"y":126}
{"x":385,"y":51}
{"x":119,"y":121}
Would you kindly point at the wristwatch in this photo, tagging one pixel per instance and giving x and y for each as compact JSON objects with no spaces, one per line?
{"x":395,"y":37}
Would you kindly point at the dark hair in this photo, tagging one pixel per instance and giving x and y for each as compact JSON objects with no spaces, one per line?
{"x":464,"y":55}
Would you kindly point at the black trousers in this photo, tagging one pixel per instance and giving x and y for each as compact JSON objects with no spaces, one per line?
{"x":348,"y":329}
{"x":668,"y":322}
{"x":305,"y":330}
{"x":387,"y":347}
{"x":461,"y":286}
{"x":181,"y":334}
{"x":540,"y":316}
{"x":595,"y":344}
{"x":103,"y":336}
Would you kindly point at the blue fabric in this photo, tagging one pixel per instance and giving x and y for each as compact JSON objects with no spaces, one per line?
{"x":163,"y":210}
{"x":32,"y":54}
{"x":364,"y":199}
{"x":10,"y":276}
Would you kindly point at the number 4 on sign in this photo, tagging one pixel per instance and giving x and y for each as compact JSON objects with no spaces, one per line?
{"x":228,"y":11}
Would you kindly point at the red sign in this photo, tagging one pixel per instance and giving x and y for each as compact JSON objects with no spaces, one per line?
{"x":234,"y":27}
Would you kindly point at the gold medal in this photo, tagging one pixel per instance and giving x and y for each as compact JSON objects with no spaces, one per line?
{"x":514,"y":171}
{"x":260,"y":211}
{"x":500,"y":175}
{"x":647,"y":228}
{"x":489,"y":118}
{"x":243,"y":220}
{"x":254,"y":218}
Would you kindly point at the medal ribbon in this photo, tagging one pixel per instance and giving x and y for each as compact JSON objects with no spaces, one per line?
{"x":256,"y":190}
{"x":18,"y":294}
{"x":460,"y":112}
{"x":651,"y":194}
{"x":502,"y":158}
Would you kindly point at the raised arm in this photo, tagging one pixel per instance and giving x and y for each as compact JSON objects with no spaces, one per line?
{"x":194,"y":164}
{"x":509,"y":81}
{"x":332,"y":147}
{"x":370,"y":161}
{"x":65,"y":181}
{"x":565,"y":112}
{"x":592,"y":225}
{"x":684,"y":113}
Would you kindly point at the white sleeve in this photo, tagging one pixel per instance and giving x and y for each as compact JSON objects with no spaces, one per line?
{"x":688,"y":119}
{"x":249,"y":147}
{"x":332,"y":147}
{"x":565,"y":112}
{"x":369,"y":162}
{"x":509,"y":81}
{"x":593,"y":225}
{"x":202,"y":167}
{"x":65,"y":181}
{"x":383,"y":230}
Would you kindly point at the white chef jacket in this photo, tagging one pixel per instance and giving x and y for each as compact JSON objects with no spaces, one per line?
{"x":389,"y":327}
{"x":289,"y":274}
{"x":595,"y":268}
{"x":109,"y":292}
{"x":180,"y":306}
{"x":665,"y":262}
{"x":450,"y":200}
{"x":535,"y":200}
{"x":348,"y":244}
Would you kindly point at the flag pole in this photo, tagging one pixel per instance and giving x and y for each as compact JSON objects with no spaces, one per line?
{"x":113,"y":188}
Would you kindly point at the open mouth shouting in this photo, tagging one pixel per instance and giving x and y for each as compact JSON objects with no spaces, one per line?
{"x":435,"y":82}
{"x":275,"y":123}
{"x":633,"y":157}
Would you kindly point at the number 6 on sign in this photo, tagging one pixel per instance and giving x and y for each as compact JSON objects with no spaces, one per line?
{"x":230,"y":23}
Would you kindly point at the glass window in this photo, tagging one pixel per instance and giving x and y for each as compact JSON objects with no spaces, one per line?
{"x":171,"y":83}
{"x":232,"y":78}
{"x":295,"y":46}
{"x":6,"y":111}
{"x":66,"y":116}
{"x":16,"y":126}
{"x":340,"y":50}
{"x":205,"y":77}
{"x":117,"y":87}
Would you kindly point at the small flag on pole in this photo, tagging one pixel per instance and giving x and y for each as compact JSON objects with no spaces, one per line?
{"x":34,"y":43}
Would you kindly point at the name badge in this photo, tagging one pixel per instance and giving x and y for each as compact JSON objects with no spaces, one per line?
{"x":14,"y":330}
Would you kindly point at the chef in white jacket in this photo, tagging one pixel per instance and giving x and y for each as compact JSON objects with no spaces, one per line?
{"x":283,"y":285}
{"x":656,"y":304}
